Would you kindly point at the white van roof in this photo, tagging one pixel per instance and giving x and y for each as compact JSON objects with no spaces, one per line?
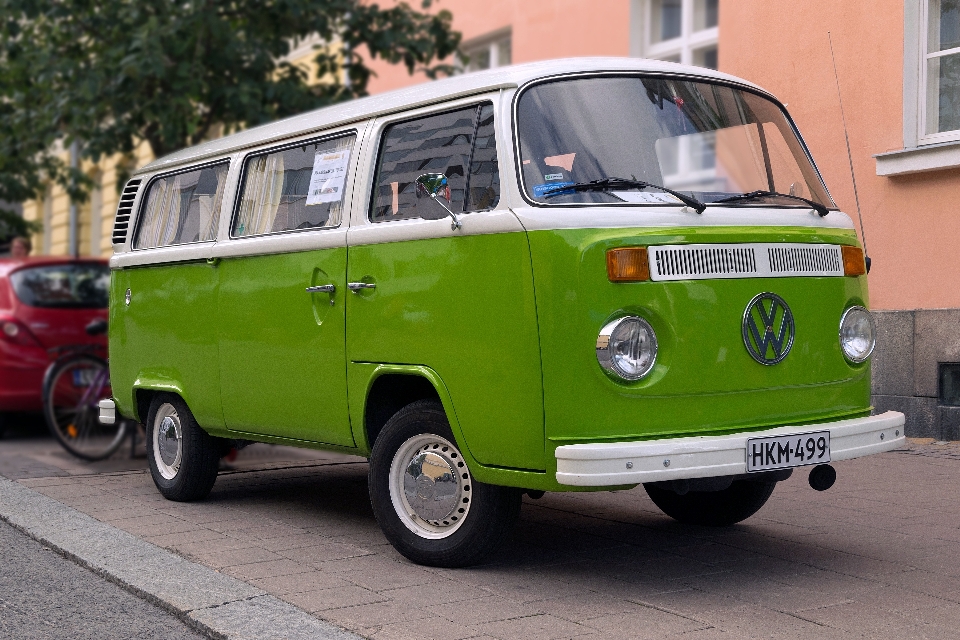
{"x":421,"y":95}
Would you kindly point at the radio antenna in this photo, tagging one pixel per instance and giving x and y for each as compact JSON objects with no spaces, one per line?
{"x":846,"y":137}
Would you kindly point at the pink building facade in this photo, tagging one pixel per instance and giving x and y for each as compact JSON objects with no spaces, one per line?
{"x":898,"y":69}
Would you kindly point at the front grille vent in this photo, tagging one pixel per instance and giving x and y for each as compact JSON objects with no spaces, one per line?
{"x":124,"y":210}
{"x":758,"y":260}
{"x":706,"y":261}
{"x":805,"y":259}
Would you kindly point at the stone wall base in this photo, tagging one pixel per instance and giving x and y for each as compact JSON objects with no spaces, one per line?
{"x":910,"y":347}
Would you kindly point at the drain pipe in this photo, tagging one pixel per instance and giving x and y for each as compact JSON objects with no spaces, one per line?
{"x":73,"y":242}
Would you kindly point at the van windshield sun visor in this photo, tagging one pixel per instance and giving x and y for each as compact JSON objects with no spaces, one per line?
{"x":702,"y":140}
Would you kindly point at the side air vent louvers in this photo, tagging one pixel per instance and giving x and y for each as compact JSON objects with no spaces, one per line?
{"x":124,"y":210}
{"x":752,"y":260}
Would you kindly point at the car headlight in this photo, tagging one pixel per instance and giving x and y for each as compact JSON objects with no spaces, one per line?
{"x":858,"y":335}
{"x":627,"y":347}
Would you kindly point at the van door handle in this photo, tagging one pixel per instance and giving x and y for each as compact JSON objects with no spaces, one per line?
{"x":357,"y":286}
{"x":323,"y":288}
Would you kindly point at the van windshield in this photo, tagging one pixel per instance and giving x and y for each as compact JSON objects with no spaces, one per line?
{"x":706,"y":140}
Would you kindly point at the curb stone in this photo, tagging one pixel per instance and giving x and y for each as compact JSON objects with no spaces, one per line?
{"x":218,"y":605}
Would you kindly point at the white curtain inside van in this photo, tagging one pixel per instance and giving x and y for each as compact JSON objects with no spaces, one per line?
{"x":162,"y":216}
{"x":261,"y":195}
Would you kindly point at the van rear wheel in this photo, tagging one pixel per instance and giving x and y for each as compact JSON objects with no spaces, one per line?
{"x":183,"y":458}
{"x":723,"y":508}
{"x":425,"y":500}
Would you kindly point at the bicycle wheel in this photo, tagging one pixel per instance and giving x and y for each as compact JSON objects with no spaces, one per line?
{"x":72,"y":389}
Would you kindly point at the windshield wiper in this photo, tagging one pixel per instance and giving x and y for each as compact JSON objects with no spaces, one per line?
{"x":753,"y":195}
{"x":608,"y":184}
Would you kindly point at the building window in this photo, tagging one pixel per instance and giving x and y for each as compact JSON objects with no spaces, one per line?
{"x":96,"y":215}
{"x":488,"y":52}
{"x":949,"y":384}
{"x":683,"y":31}
{"x":47,"y":244}
{"x":940,"y":75}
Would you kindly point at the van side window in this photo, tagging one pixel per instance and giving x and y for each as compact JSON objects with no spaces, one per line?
{"x":444,"y":143}
{"x":182,"y":208}
{"x":300,"y":187}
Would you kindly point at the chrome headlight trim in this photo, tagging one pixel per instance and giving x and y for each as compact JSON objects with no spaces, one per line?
{"x":873,"y":334}
{"x":605,"y":355}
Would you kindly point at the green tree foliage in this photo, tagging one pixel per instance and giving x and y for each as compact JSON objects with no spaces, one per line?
{"x":113,"y":73}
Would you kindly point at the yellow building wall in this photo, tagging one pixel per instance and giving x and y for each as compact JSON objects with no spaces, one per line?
{"x":100,"y":209}
{"x":53,"y":210}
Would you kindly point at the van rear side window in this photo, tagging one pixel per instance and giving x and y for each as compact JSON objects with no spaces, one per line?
{"x":300,"y":187}
{"x":182,"y":208}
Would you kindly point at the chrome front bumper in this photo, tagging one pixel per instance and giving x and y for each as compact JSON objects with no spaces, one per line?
{"x":617,"y":463}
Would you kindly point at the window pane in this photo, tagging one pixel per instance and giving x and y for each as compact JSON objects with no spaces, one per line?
{"x":943,"y":94}
{"x":705,"y":13}
{"x":479,"y":58}
{"x":485,"y":170}
{"x":297,"y":188}
{"x":73,"y":286}
{"x":438,"y":144}
{"x":944,"y":28}
{"x":706,"y":57}
{"x":182,"y":208}
{"x":665,"y":20}
{"x":950,"y":384}
{"x":503,"y":52}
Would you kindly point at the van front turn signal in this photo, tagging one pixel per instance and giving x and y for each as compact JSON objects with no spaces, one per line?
{"x":853,"y":262}
{"x":628,"y":264}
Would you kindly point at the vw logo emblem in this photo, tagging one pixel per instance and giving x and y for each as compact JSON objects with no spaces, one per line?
{"x":768,"y":328}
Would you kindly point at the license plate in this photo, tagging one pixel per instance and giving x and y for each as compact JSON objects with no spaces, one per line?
{"x":783,"y":452}
{"x":83,"y":377}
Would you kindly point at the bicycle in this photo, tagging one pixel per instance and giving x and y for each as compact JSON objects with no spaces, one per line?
{"x":73,"y":386}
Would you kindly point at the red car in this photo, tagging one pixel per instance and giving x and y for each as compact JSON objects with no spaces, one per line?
{"x":45,"y":305}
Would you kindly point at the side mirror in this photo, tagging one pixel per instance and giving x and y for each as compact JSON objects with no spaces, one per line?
{"x":433,"y":185}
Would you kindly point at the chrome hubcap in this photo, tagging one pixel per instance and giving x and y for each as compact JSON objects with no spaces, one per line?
{"x":430,"y":486}
{"x":167,"y":441}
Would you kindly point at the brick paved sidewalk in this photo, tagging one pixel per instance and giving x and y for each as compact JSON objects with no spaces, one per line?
{"x":877,"y":556}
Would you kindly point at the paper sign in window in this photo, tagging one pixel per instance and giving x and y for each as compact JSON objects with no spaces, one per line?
{"x":328,"y":177}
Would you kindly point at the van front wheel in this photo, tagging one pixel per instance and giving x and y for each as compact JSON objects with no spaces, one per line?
{"x":425,"y":500}
{"x":183,"y":458}
{"x":737,"y":502}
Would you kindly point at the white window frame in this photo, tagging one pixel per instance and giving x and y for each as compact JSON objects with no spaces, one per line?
{"x":685,"y":45}
{"x":924,"y":138}
{"x":920,"y":152}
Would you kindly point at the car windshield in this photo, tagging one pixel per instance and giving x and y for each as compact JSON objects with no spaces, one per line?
{"x":68,"y":286}
{"x":704,"y":139}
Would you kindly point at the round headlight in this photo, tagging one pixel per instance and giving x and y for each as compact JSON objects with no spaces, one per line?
{"x":857,"y":334}
{"x":627,"y":347}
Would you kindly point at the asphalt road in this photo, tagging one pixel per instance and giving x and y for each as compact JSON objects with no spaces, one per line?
{"x":45,"y":596}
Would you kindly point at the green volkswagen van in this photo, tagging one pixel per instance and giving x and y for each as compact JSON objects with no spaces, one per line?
{"x":572,"y":275}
